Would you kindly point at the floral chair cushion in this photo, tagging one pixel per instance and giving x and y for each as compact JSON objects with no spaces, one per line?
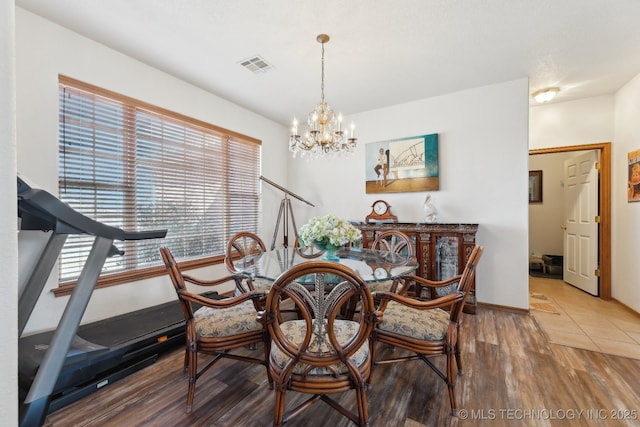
{"x":294,"y":331}
{"x":430,"y":325}
{"x":224,"y":322}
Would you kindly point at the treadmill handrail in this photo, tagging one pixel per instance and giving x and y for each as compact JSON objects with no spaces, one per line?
{"x":56,"y":215}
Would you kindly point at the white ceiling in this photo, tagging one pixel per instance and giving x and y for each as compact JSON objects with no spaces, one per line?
{"x":381,"y":53}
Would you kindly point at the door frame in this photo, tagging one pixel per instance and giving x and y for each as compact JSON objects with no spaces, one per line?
{"x":604,"y":190}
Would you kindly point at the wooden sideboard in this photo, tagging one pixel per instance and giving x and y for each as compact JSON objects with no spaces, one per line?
{"x":442,"y":249}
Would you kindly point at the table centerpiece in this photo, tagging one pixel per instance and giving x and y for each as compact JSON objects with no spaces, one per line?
{"x":328,"y":233}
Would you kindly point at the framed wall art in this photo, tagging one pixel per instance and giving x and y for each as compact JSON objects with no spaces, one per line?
{"x":402,"y":165}
{"x":633,"y":186}
{"x":535,"y":186}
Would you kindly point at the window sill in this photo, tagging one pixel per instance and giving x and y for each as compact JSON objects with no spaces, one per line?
{"x":65,"y":288}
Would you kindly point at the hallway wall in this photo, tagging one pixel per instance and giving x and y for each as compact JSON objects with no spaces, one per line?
{"x":626,"y":216}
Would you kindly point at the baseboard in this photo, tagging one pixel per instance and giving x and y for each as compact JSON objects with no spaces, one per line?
{"x":538,"y":273}
{"x":626,"y":307}
{"x":504,"y":308}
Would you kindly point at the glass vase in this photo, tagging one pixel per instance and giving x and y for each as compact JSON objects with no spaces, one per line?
{"x":329,"y":251}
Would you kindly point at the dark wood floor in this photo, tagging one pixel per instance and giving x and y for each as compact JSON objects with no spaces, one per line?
{"x":513,"y":377}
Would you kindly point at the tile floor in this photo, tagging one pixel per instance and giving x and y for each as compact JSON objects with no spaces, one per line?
{"x":585,"y":321}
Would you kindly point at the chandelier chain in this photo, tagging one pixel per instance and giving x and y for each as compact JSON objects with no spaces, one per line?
{"x":322,"y":76}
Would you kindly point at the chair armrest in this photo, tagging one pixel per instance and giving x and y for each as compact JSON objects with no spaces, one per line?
{"x":200,"y":282}
{"x":442,"y":302}
{"x":221,"y":303}
{"x":432,"y":283}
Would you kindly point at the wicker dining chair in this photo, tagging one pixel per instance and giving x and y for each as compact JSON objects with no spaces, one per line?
{"x":319,"y":353}
{"x":218,"y":326}
{"x":246,"y":246}
{"x":397,"y":242}
{"x":427,"y":328}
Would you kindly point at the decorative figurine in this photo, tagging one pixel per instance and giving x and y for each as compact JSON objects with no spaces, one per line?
{"x":430,"y":213}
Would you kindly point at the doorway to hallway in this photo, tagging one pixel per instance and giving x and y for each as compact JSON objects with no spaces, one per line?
{"x":604,"y":207}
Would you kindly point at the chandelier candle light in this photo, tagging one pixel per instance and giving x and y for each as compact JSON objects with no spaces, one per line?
{"x":325,"y":135}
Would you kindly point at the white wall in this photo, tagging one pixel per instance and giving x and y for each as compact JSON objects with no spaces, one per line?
{"x":626,"y":216}
{"x":585,"y":121}
{"x":45,"y":50}
{"x":8,"y":222}
{"x":483,"y":159}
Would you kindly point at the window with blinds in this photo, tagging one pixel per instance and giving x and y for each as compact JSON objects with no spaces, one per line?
{"x":137,"y":167}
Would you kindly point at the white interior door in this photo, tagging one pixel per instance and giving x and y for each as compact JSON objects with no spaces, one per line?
{"x":581,"y":228}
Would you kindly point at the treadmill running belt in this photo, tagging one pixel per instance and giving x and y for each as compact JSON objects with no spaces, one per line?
{"x":131,"y":326}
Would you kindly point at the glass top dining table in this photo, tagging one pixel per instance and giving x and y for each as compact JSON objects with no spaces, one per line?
{"x":371,"y":265}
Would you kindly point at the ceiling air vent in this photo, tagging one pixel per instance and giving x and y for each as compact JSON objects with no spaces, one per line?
{"x":256,"y":64}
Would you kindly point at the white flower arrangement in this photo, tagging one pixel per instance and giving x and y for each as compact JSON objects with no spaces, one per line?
{"x":328,"y":229}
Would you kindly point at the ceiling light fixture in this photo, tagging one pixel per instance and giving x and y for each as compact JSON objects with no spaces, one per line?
{"x":325,"y":135}
{"x":545,"y":95}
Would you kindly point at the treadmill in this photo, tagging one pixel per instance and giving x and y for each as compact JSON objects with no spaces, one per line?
{"x":65,"y":364}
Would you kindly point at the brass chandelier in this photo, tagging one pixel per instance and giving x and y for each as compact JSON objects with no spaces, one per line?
{"x":325,"y":135}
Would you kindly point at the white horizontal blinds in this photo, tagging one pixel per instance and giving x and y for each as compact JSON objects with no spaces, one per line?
{"x":244,"y":199}
{"x":141,"y":169}
{"x":91,"y":170}
{"x":179,"y":175}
